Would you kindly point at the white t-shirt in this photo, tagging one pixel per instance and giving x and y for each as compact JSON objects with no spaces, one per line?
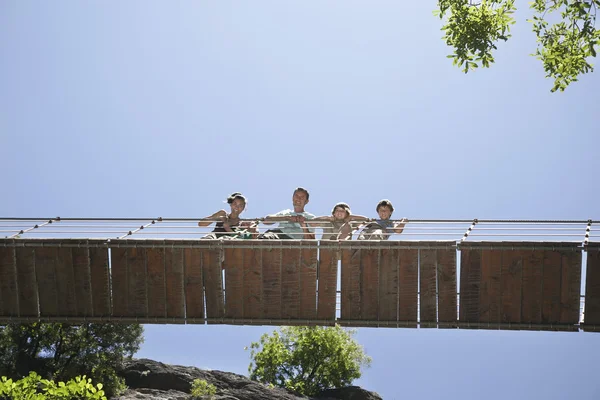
{"x":293,"y":229}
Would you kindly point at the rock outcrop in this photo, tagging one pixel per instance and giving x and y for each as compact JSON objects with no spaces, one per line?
{"x":148,"y":379}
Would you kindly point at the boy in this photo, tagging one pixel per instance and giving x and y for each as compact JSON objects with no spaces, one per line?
{"x":292,"y":224}
{"x":339,"y":226}
{"x":382,"y":228}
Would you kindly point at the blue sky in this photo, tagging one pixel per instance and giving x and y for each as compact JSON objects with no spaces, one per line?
{"x":147,"y":108}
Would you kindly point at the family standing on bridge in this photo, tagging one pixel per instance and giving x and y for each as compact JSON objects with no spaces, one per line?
{"x":293,"y":224}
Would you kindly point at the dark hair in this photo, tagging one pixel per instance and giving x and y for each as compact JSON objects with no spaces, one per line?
{"x":236,"y":195}
{"x":385,"y":202}
{"x":301,"y":189}
{"x":344,"y":206}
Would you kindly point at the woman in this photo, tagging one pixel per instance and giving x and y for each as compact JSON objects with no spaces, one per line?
{"x":229,"y":226}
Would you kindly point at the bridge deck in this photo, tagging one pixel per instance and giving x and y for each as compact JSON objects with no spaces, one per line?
{"x":504,"y":285}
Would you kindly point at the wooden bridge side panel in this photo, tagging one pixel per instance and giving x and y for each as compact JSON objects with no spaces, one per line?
{"x":428,"y":282}
{"x":9,"y":296}
{"x":551,"y":287}
{"x":351,"y":284}
{"x":174,"y":283}
{"x":120,"y":284}
{"x":408,"y":285}
{"x":447,"y":311}
{"x":65,"y":282}
{"x":470,"y":281}
{"x":26,"y":276}
{"x":100,"y":282}
{"x":490,"y":293}
{"x":511,"y":285}
{"x":137,"y":281}
{"x":370,"y":285}
{"x":253,"y":284}
{"x":271,"y":282}
{"x":194,"y":283}
{"x":308,"y":283}
{"x":592,"y":287}
{"x":157,"y":288}
{"x":533,"y":270}
{"x":388,"y":285}
{"x":328,"y":268}
{"x":82,"y":280}
{"x":290,"y":283}
{"x":45,"y":260}
{"x":570,"y":287}
{"x":234,"y":282}
{"x":213,"y":283}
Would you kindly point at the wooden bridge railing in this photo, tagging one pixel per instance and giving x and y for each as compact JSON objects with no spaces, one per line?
{"x":393,"y":284}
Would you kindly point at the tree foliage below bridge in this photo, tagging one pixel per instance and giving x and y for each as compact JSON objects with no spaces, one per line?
{"x":64,"y":351}
{"x":307,"y":360}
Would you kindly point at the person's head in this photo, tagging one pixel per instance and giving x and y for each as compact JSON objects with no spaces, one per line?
{"x":385,"y":209}
{"x":341,"y":211}
{"x":300,"y":199}
{"x":237,"y":202}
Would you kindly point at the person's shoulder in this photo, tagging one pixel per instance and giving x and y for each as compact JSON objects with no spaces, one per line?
{"x":308,"y":215}
{"x":284,"y":212}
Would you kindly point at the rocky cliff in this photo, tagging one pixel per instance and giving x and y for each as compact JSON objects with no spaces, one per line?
{"x":148,"y":379}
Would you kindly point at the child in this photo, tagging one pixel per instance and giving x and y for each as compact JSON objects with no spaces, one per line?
{"x":339,"y":226}
{"x":382,"y":228}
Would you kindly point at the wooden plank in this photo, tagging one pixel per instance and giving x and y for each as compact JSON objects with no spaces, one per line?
{"x":9,"y":293}
{"x":428,"y":283}
{"x":137,"y":281}
{"x":213,"y":283}
{"x":65,"y":282}
{"x":369,"y":297}
{"x":388,"y":285}
{"x":533,"y":269}
{"x":234,"y":282}
{"x":174,"y":283}
{"x":194,"y":284}
{"x":308,"y":283}
{"x":408,"y":286}
{"x":490,"y":294}
{"x":271,"y":281}
{"x":100,"y":275}
{"x":120,"y":285}
{"x":45,"y":260}
{"x":551,"y":287}
{"x":82,"y":280}
{"x":592,"y":287}
{"x":26,"y":277}
{"x":511,"y":285}
{"x":470,"y":280}
{"x":290,"y":283}
{"x":253,"y":284}
{"x":570,"y":287}
{"x":447,"y":311}
{"x":328,"y":268}
{"x":351,"y":284}
{"x":156,"y":282}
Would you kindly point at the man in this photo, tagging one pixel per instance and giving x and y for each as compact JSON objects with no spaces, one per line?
{"x":292,"y":224}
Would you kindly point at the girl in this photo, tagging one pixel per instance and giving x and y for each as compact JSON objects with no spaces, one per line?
{"x":229,"y":225}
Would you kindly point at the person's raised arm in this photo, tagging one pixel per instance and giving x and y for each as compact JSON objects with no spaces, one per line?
{"x":219,"y":215}
{"x":353,"y":217}
{"x":271,"y":219}
{"x":399,"y":226}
